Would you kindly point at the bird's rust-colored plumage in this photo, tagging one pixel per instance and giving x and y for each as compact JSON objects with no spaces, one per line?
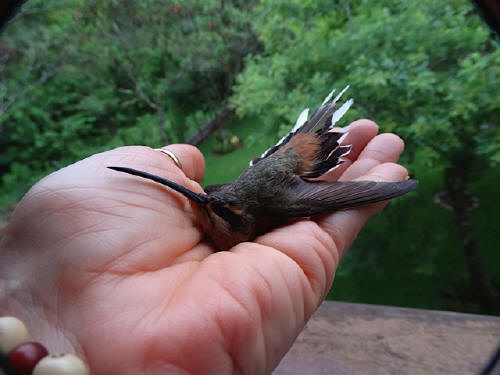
{"x":306,"y":146}
{"x":280,"y":185}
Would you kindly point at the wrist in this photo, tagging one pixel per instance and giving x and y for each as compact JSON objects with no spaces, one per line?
{"x":19,"y":280}
{"x":12,"y":281}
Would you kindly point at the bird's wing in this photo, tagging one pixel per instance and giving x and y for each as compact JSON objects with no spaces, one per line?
{"x":322,"y":120}
{"x":313,"y":198}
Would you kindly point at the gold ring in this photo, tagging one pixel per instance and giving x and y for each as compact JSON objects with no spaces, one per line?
{"x":172,"y":156}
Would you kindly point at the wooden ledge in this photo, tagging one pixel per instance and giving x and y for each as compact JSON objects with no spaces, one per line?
{"x":346,"y":338}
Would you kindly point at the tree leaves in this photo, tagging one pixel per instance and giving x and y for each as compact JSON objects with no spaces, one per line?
{"x":430,"y":70}
{"x":78,"y":77}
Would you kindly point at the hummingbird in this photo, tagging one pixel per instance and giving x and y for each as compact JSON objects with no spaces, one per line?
{"x":281,"y":184}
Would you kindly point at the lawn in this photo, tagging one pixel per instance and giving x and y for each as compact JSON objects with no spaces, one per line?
{"x":226,"y":167}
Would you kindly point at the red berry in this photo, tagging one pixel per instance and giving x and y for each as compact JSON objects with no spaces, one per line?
{"x":24,"y":357}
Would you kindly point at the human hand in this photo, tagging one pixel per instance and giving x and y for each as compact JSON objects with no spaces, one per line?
{"x":117,"y":271}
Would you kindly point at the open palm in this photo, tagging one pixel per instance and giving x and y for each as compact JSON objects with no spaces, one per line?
{"x":116,"y":269}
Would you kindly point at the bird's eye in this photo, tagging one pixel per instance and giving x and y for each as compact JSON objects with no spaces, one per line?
{"x":232,"y":218}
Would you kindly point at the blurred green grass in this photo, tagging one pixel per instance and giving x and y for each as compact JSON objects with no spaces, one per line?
{"x":225,"y":168}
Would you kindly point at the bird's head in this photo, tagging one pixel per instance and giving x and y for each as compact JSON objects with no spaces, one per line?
{"x":224,"y":214}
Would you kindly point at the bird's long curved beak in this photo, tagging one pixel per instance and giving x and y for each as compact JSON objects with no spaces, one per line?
{"x":198,"y":198}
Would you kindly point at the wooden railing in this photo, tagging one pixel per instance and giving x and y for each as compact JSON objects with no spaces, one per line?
{"x":346,"y":338}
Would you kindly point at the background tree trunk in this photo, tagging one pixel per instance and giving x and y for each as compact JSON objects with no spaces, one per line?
{"x":218,"y":121}
{"x":461,"y":203}
{"x":161,"y":125}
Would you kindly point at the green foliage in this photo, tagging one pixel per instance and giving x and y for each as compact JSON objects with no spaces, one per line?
{"x":408,"y":256}
{"x":225,"y":142}
{"x":427,"y":70}
{"x":78,"y":77}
